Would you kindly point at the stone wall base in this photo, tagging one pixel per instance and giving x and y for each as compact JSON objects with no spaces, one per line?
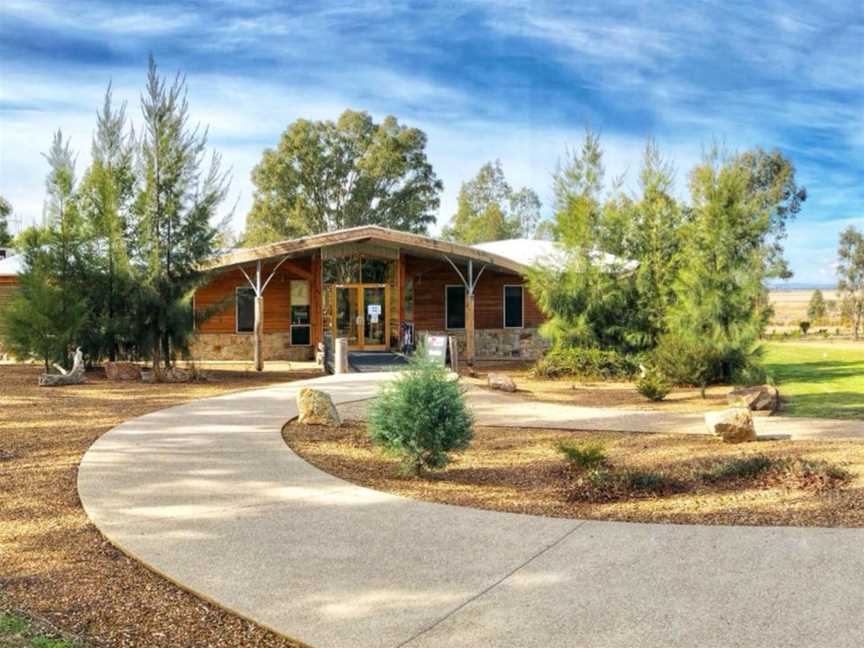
{"x":239,"y":346}
{"x":500,"y":344}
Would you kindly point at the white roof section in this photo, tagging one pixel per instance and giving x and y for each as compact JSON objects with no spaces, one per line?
{"x":531,"y":252}
{"x":12,"y":266}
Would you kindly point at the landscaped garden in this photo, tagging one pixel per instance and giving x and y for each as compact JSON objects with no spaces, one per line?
{"x":54,"y":563}
{"x":639,"y":477}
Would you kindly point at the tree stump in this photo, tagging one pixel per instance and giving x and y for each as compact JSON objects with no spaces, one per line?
{"x":73,"y":377}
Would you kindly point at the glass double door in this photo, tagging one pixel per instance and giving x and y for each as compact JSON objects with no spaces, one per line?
{"x":361,"y":314}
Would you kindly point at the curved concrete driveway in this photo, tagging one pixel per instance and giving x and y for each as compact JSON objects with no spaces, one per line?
{"x":208,"y":494}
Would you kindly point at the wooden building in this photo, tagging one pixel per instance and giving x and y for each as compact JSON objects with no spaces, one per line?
{"x":379,"y":288}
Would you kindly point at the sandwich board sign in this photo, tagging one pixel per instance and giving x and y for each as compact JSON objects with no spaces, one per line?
{"x":436,"y":348}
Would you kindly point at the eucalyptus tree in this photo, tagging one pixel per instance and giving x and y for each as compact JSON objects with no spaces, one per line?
{"x":326,"y":175}
{"x":489,"y":209}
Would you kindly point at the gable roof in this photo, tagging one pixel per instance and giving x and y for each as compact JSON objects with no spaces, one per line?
{"x":416,"y":243}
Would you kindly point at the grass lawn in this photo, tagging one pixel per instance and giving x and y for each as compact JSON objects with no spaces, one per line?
{"x":819,"y":378}
{"x":54,"y":564}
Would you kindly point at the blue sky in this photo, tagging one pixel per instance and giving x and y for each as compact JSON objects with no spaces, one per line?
{"x":511,"y":80}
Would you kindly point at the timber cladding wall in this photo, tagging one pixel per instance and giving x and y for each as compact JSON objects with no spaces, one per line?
{"x":8,"y":286}
{"x":277,"y":298}
{"x":431,"y":276}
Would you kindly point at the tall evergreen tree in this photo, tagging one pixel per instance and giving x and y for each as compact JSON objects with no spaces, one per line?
{"x":653,"y":241}
{"x":721,"y":303}
{"x":46,"y":316}
{"x":590,"y":299}
{"x":106,"y":194}
{"x":489,"y":209}
{"x":176,"y":208}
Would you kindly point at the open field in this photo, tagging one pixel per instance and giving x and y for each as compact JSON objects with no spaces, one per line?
{"x":818,"y":378}
{"x":790,"y":307}
{"x":53,"y":561}
{"x":520,"y":470}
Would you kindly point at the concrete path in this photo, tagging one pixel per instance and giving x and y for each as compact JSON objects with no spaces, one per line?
{"x":208,"y":495}
{"x":502,"y":409}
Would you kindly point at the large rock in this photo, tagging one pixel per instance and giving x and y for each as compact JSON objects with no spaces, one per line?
{"x":733,"y":425}
{"x":316,"y":408}
{"x":500,"y":381}
{"x":760,"y":398}
{"x":122,"y":371}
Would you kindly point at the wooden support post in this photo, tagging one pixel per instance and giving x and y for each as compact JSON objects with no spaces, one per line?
{"x":259,"y":320}
{"x":469,"y":315}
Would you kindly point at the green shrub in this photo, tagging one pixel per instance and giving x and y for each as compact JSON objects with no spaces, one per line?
{"x":739,"y":468}
{"x":648,"y":481}
{"x":585,"y":456}
{"x":653,"y":385}
{"x":586,"y":362}
{"x":421,"y":416}
{"x":804,"y":325}
{"x":609,"y":484}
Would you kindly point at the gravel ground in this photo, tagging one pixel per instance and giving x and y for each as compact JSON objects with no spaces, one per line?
{"x":53,"y":561}
{"x":611,"y":394}
{"x":520,"y":470}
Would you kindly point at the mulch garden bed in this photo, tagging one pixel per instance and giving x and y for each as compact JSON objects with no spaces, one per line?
{"x":682,"y":479}
{"x":53,"y":562}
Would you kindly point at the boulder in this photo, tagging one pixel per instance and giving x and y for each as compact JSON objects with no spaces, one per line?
{"x":502,"y":382}
{"x":122,"y":371}
{"x":760,"y":398}
{"x":316,"y":408}
{"x":733,"y":425}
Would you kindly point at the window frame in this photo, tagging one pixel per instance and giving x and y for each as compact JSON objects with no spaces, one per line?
{"x":292,"y":325}
{"x":237,"y":310}
{"x":504,"y":288}
{"x":447,"y":288}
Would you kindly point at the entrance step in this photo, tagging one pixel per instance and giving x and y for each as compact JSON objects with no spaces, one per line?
{"x":369,"y":361}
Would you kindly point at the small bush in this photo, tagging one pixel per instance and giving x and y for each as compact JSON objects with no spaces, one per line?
{"x":608,"y":484}
{"x":586,"y":362}
{"x":653,"y":385}
{"x":804,"y":325}
{"x":687,"y":362}
{"x":584,"y":456}
{"x":421,"y":416}
{"x":738,"y":468}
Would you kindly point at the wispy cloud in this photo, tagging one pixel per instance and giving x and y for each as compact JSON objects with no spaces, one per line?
{"x":486,"y":79}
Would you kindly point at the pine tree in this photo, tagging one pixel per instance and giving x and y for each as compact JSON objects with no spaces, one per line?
{"x":106,"y":195}
{"x":590,"y":301}
{"x":45,"y":317}
{"x":175,"y":206}
{"x":38,"y":321}
{"x":652,"y":240}
{"x":64,"y":250}
{"x":721,"y":304}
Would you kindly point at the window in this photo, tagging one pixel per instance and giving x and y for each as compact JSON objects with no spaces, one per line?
{"x":512,"y":306}
{"x":300,"y":324}
{"x":454,"y":306}
{"x":245,"y":316}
